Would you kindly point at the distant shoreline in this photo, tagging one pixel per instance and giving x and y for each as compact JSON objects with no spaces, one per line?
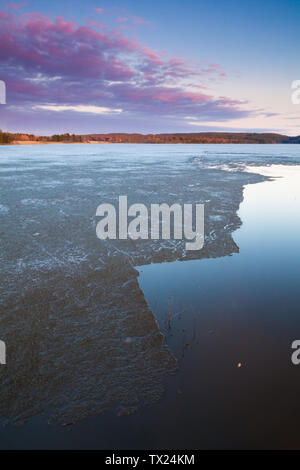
{"x":33,"y":142}
{"x":7,"y":138}
{"x":28,"y":143}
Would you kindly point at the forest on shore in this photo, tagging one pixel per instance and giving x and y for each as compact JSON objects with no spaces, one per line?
{"x":178,"y":138}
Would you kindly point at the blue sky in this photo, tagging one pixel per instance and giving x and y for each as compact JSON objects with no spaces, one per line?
{"x":159,"y":66}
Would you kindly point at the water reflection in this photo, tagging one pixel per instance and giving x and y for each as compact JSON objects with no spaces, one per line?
{"x":81,"y":338}
{"x":233,"y":340}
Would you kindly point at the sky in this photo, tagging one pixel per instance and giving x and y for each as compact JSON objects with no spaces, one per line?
{"x":89,"y":66}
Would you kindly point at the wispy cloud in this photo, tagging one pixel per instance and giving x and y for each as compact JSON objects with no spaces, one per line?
{"x":121,"y":19}
{"x":17,"y":6}
{"x":141,"y":21}
{"x":78,"y":108}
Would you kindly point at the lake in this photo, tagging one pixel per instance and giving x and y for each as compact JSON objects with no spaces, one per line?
{"x":140,"y":344}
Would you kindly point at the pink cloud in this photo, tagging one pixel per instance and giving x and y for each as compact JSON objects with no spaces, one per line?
{"x":17,"y":6}
{"x":64,"y":62}
{"x":99,"y":10}
{"x":130,"y":22}
{"x":96,"y":23}
{"x":121,"y":19}
{"x":141,"y":21}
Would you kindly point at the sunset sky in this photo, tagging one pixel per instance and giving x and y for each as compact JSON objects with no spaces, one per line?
{"x":149,"y":66}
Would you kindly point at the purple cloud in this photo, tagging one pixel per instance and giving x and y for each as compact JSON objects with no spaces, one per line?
{"x":46,"y":62}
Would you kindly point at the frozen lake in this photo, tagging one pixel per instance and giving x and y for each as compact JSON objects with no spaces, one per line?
{"x":107,"y":338}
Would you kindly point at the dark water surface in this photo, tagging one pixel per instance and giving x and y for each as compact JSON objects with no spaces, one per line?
{"x":240,"y":310}
{"x":99,"y":357}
